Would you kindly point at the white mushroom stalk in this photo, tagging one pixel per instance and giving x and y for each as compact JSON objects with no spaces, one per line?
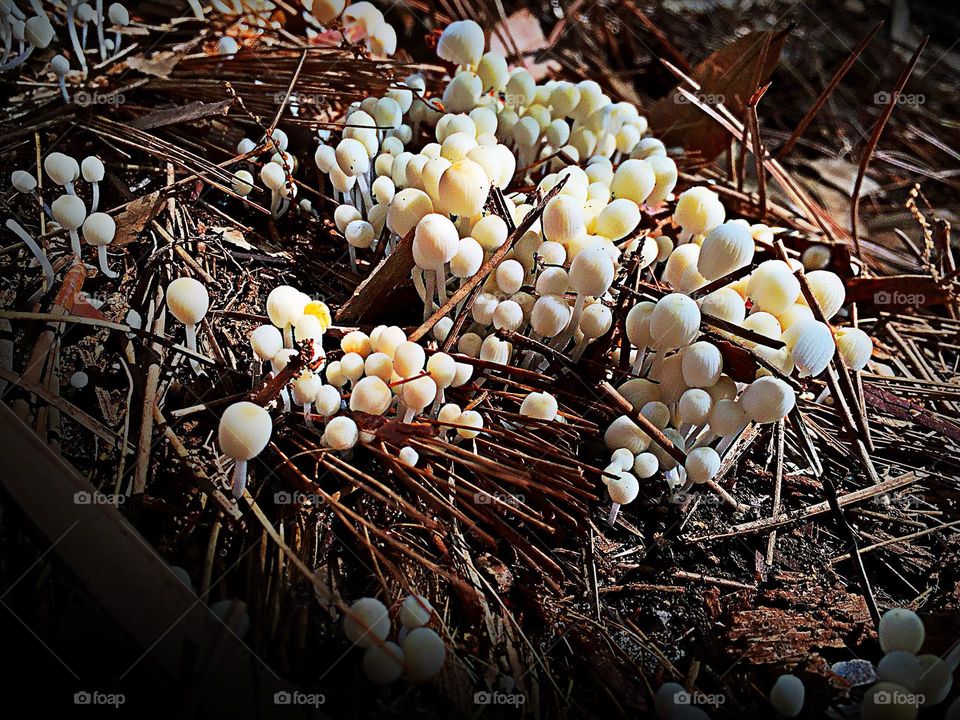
{"x":72,"y":7}
{"x":38,"y":253}
{"x":244,"y":432}
{"x":99,"y":230}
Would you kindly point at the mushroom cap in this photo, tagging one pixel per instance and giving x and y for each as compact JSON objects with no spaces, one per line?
{"x":787,"y":695}
{"x":424,"y":653}
{"x":273,"y":176}
{"x":341,"y":433}
{"x":59,"y":64}
{"x":38,"y":31}
{"x":645,"y":465}
{"x":624,"y":433}
{"x":356,"y":341}
{"x":509,"y":276}
{"x":227,"y":45}
{"x":368,"y":620}
{"x":359,"y":234}
{"x":901,"y":667}
{"x":408,"y":456}
{"x":285,"y":304}
{"x":442,"y":368}
{"x":382,"y":664}
{"x":702,"y":464}
{"x":243,"y":182}
{"x":352,"y":366}
{"x":827,"y":289}
{"x":634,"y":180}
{"x":702,"y":364}
{"x":371,"y":395}
{"x":472,"y":419}
{"x":326,"y":10}
{"x":352,"y":157}
{"x":244,"y":430}
{"x":415,"y":611}
{"x":266,"y":342}
{"x":23,"y":181}
{"x":419,"y":392}
{"x":550,"y":315}
{"x":855,"y":347}
{"x":699,"y":210}
{"x":408,"y":359}
{"x":674,"y":321}
{"x":563,"y":219}
{"x":69,"y":211}
{"x":461,"y":43}
{"x":773,"y":287}
{"x":493,"y":71}
{"x":695,"y":405}
{"x":936,"y":680}
{"x":305,"y":387}
{"x":901,"y":629}
{"x":118,"y":14}
{"x":490,"y":232}
{"x":539,"y":405}
{"x":468,"y":259}
{"x":435,"y":241}
{"x":188,"y":300}
{"x":408,"y":207}
{"x":592,"y":272}
{"x":624,"y":489}
{"x":99,"y":229}
{"x":463,"y":189}
{"x":618,"y":219}
{"x":726,"y":248}
{"x":811,"y":346}
{"x":327,"y":401}
{"x":596,"y":320}
{"x":727,"y":418}
{"x":767,"y":400}
{"x":665,"y":172}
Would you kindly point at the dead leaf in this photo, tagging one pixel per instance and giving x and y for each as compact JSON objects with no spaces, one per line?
{"x":160,"y":65}
{"x":135,"y":216}
{"x":728,"y":76}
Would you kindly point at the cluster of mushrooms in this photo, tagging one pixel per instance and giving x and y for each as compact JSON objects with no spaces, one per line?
{"x":68,"y":211}
{"x":22,"y":35}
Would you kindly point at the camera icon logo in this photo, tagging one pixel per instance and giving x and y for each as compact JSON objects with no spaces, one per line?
{"x":82,"y":497}
{"x":481,"y":697}
{"x":681,"y":697}
{"x":282,"y":697}
{"x":82,"y":698}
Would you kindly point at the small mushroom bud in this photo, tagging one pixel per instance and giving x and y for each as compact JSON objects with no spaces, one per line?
{"x":787,"y":695}
{"x":811,"y":345}
{"x":424,"y":653}
{"x":188,"y":301}
{"x":767,"y":400}
{"x":99,"y":230}
{"x":539,"y":405}
{"x":855,"y":347}
{"x":816,"y":257}
{"x":827,"y":289}
{"x":359,"y":234}
{"x":266,"y":341}
{"x":352,"y":367}
{"x":623,"y":491}
{"x":702,"y":365}
{"x":244,"y":432}
{"x":408,"y":456}
{"x":463,"y":189}
{"x":408,"y":359}
{"x":415,"y":611}
{"x":468,"y":259}
{"x":227,"y":45}
{"x":285,"y":305}
{"x":327,"y":402}
{"x":901,"y":629}
{"x":70,"y":212}
{"x":509,"y":276}
{"x":473,"y":422}
{"x":120,"y":18}
{"x":242,"y":182}
{"x":591,"y":274}
{"x":491,"y":232}
{"x":305,"y":388}
{"x":699,"y":210}
{"x":645,"y":465}
{"x":773,"y":287}
{"x":93,"y":172}
{"x":702,"y":464}
{"x":665,"y":173}
{"x":382,"y":664}
{"x":936,"y":680}
{"x":368,"y":620}
{"x":618,"y":219}
{"x":61,"y":66}
{"x":341,"y":434}
{"x":622,"y":459}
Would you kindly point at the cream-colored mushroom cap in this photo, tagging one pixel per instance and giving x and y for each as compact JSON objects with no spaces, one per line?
{"x":370,"y":395}
{"x":368,"y":620}
{"x":188,"y":300}
{"x":463,"y":189}
{"x":674,"y":321}
{"x":424,"y":653}
{"x":266,"y":342}
{"x":285,"y":305}
{"x":901,"y":629}
{"x":461,"y":43}
{"x":244,"y":430}
{"x":69,"y":211}
{"x":92,"y":169}
{"x":341,"y":433}
{"x":406,"y":210}
{"x":767,"y":400}
{"x":99,"y":229}
{"x":60,"y":168}
{"x":539,"y":405}
{"x":726,"y":248}
{"x":702,"y":464}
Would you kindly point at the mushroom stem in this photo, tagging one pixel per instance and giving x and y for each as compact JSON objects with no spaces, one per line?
{"x":63,"y":88}
{"x":83,"y":39}
{"x":417,"y":276}
{"x":364,"y":192}
{"x":75,"y":243}
{"x":104,"y":263}
{"x":285,"y":394}
{"x":116,"y":42}
{"x":75,"y":41}
{"x":100,"y":40}
{"x":638,"y":361}
{"x":353,"y":257}
{"x":614,"y":511}
{"x":580,"y":347}
{"x":287,"y":337}
{"x":70,"y":188}
{"x":96,"y":197}
{"x":306,"y":413}
{"x":274,"y":202}
{"x":567,"y":333}
{"x":48,"y":276}
{"x":191,"y":344}
{"x":431,"y":278}
{"x":18,"y":60}
{"x":408,"y":415}
{"x":441,"y":283}
{"x":239,"y":478}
